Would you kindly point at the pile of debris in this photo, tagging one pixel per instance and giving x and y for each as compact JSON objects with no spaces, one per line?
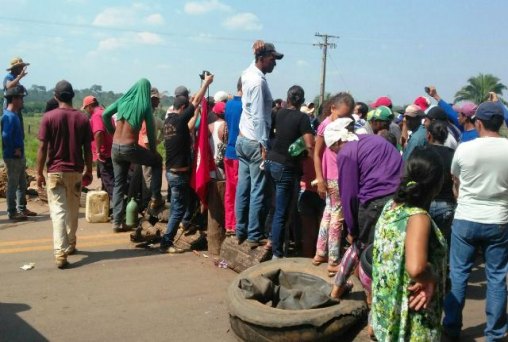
{"x":30,"y":177}
{"x":152,"y":227}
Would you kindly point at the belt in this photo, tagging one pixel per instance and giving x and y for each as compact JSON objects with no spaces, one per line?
{"x":179,"y":172}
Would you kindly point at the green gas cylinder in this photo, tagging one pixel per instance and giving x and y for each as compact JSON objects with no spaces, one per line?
{"x":131,"y":213}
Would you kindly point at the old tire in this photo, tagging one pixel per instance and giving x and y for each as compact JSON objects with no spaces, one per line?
{"x":254,"y":321}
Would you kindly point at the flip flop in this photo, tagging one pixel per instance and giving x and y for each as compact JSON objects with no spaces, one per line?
{"x":318,"y":260}
{"x":332,"y":269}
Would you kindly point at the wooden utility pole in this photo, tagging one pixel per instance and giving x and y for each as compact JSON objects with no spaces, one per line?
{"x":324,"y":46}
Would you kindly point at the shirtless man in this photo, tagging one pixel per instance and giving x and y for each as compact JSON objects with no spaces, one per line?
{"x":131,"y":110}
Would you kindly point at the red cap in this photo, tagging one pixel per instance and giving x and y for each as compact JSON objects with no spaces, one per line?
{"x":382,"y":101}
{"x":422,"y":102}
{"x":219,"y":108}
{"x":88,"y":100}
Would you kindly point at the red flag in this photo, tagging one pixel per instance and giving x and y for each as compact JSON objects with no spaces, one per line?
{"x":203,"y":162}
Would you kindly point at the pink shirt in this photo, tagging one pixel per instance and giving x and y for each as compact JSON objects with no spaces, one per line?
{"x":329,"y":159}
{"x":97,"y":125}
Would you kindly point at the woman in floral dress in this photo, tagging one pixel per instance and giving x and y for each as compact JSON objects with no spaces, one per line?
{"x":409,"y":257}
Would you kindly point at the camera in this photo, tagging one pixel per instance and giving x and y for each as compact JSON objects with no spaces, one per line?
{"x":204,"y":74}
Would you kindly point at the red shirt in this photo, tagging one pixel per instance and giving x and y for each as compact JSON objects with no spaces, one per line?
{"x":67,"y":133}
{"x":97,"y":125}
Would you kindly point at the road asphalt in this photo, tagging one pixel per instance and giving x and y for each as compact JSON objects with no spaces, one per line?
{"x":113,"y":291}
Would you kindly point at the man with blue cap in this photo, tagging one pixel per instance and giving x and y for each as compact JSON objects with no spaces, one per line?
{"x":480,"y":171}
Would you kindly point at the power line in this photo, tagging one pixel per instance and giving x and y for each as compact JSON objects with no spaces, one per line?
{"x":338,"y":71}
{"x":118,"y":29}
{"x":324,"y":46}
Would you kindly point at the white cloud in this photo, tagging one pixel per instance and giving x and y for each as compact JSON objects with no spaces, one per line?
{"x":302,"y":63}
{"x":148,"y":38}
{"x":243,"y":21}
{"x":8,"y":30}
{"x":155,"y":19}
{"x":203,"y":38}
{"x":111,"y":43}
{"x":128,"y":16}
{"x":202,"y":7}
{"x":126,"y":40}
{"x":115,"y":16}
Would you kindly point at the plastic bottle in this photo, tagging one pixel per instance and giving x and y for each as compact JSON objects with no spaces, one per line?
{"x":131,"y":213}
{"x":297,"y":147}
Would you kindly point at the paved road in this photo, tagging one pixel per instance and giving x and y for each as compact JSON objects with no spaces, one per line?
{"x":116,"y":292}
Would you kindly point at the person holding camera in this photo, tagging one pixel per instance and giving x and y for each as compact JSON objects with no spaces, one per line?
{"x":252,"y":144}
{"x":177,"y":142}
{"x":459,"y":115}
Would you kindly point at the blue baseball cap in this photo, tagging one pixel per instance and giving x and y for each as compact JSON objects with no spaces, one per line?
{"x":487,"y":110}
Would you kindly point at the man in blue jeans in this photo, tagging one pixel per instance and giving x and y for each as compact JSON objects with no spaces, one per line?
{"x":480,"y":170}
{"x":252,"y":144}
{"x":177,"y":142}
{"x":13,"y":149}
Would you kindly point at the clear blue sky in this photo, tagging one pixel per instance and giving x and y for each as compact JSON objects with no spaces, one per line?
{"x":391,"y":48}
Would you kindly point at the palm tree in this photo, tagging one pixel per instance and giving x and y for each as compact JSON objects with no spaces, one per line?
{"x":478,"y":88}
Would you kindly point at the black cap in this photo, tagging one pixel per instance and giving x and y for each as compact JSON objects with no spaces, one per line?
{"x":437,"y":113}
{"x":270,"y":48}
{"x":18,"y":90}
{"x":182,"y":91}
{"x":64,"y":91}
{"x":487,"y":110}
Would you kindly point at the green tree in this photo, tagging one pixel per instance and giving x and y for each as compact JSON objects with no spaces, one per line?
{"x":478,"y":88}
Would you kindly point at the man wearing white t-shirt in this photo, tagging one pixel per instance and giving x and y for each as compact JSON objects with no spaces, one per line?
{"x":480,"y":170}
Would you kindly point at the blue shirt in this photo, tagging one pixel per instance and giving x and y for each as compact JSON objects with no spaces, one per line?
{"x":256,"y":119}
{"x":232,"y":115}
{"x":468,"y":135}
{"x":451,"y":114}
{"x":418,"y":138}
{"x":505,"y":111}
{"x":12,"y":135}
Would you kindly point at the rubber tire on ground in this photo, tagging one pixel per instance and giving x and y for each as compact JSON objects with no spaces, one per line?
{"x":254,"y":321}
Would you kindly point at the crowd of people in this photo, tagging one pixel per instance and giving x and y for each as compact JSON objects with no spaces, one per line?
{"x":389,"y":195}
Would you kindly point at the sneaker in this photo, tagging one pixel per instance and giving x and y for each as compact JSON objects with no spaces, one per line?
{"x":18,"y":217}
{"x":171,"y":249}
{"x":118,"y":228}
{"x":255,"y":244}
{"x":28,"y":212}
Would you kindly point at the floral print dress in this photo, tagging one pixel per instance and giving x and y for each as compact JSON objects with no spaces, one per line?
{"x":392,"y":320}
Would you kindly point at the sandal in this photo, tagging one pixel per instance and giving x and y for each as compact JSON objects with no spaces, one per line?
{"x":347,"y":289}
{"x":318,"y":260}
{"x":332,"y":269}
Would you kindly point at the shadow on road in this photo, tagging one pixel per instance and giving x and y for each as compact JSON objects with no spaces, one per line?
{"x":472,"y":334}
{"x":13,"y":328}
{"x":92,"y":257}
{"x":5,"y":223}
{"x":477,"y":286}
